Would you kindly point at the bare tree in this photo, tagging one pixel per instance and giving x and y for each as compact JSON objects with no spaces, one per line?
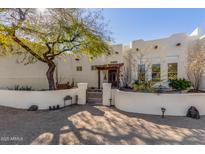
{"x":141,"y":57}
{"x":195,"y":65}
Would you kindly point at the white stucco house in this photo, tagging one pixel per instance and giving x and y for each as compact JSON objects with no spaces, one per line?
{"x":121,"y":67}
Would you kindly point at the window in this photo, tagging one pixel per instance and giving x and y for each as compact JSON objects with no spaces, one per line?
{"x":141,"y":72}
{"x":93,"y":67}
{"x":172,"y":71}
{"x":156,"y":72}
{"x":79,"y":68}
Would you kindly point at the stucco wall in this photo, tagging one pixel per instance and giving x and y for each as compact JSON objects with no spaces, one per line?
{"x":13,"y":73}
{"x":91,"y":76}
{"x":44,"y":99}
{"x":150,"y":103}
{"x":166,"y":52}
{"x":34,"y":75}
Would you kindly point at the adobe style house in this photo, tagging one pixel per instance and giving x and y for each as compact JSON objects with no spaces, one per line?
{"x":152,"y":58}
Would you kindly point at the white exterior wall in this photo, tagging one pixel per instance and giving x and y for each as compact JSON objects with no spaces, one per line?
{"x":13,"y":73}
{"x":34,"y":75}
{"x":202,"y":82}
{"x":106,"y":94}
{"x":44,"y":99}
{"x":151,"y":103}
{"x":91,"y":76}
{"x":64,"y":68}
{"x":82,"y":87}
{"x":167,"y":52}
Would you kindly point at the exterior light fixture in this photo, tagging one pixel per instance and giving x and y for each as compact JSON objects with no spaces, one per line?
{"x":110,"y":101}
{"x":163,"y":111}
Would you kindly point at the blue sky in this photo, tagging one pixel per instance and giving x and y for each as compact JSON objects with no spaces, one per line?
{"x":130,"y":24}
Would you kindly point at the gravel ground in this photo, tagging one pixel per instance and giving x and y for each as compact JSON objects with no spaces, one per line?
{"x":96,"y":125}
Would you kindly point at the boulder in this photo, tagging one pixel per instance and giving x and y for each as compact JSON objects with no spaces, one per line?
{"x":33,"y":108}
{"x":193,"y":113}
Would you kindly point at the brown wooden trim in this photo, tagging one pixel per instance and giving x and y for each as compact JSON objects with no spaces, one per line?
{"x":118,"y":77}
{"x":98,"y":79}
{"x":109,"y":66}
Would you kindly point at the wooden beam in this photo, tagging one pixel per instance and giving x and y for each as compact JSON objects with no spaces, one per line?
{"x":109,"y":66}
{"x":118,"y":78}
{"x":98,"y":79}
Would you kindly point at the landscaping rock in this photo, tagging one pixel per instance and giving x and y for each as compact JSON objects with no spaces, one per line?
{"x":193,"y":113}
{"x":33,"y":108}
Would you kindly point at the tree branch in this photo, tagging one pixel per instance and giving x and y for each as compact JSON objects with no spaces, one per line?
{"x":65,"y":50}
{"x":18,"y":41}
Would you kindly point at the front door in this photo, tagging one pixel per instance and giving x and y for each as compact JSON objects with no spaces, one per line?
{"x":112,"y":77}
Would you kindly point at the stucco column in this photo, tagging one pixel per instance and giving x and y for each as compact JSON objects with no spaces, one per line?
{"x":106,"y":94}
{"x":99,"y":79}
{"x":163,"y":71}
{"x":82,"y":87}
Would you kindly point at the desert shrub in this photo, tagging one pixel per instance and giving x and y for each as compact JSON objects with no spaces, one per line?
{"x":23,"y":88}
{"x":180,"y":84}
{"x":143,"y":86}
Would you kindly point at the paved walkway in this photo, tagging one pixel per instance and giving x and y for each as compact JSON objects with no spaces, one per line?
{"x":96,"y":125}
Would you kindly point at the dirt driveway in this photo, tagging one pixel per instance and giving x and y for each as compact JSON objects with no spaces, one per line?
{"x":96,"y":125}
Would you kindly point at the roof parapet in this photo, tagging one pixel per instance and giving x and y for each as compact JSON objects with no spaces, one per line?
{"x":197,"y":32}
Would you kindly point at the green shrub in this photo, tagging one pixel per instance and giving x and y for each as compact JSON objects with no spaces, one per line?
{"x":180,"y":84}
{"x":143,"y":86}
{"x":24,"y":88}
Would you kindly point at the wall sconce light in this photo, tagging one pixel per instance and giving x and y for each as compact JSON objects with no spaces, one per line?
{"x":163,"y":111}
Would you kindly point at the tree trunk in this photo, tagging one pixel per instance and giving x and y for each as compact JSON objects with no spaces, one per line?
{"x":50,"y":75}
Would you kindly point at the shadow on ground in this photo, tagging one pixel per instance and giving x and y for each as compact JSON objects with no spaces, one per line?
{"x":96,"y":125}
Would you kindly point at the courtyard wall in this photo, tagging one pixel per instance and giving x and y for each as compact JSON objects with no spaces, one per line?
{"x":43,"y":99}
{"x":151,"y":103}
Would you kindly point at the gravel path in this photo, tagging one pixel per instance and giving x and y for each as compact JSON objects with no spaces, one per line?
{"x":96,"y":125}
